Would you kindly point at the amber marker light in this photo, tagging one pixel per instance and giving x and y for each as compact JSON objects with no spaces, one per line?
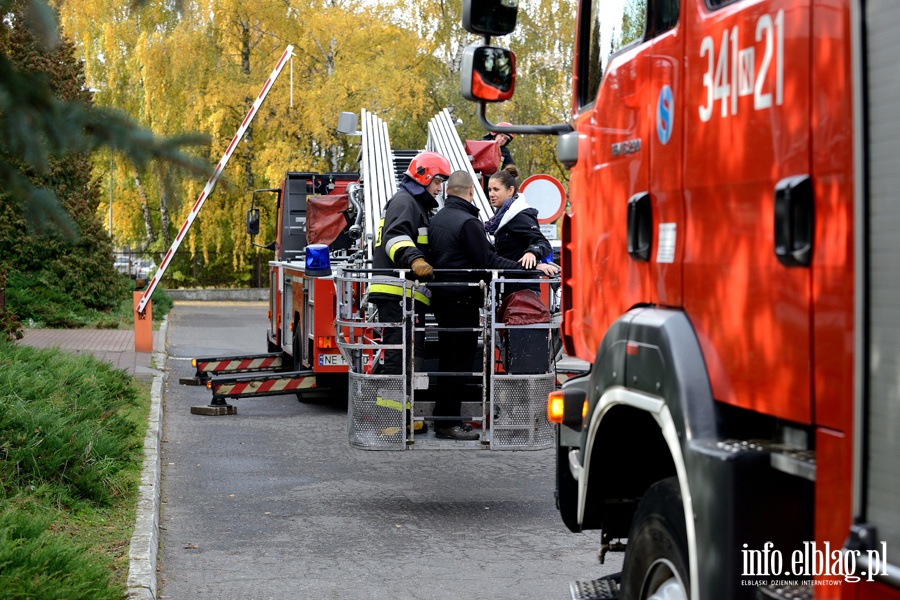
{"x":555,"y":407}
{"x":209,"y":384}
{"x":194,"y":362}
{"x":563,"y":408}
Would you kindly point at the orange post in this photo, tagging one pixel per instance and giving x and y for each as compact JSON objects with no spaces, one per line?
{"x":143,"y":326}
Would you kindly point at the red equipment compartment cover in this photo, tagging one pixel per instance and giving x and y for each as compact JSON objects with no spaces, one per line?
{"x":485,"y":155}
{"x":325,"y":218}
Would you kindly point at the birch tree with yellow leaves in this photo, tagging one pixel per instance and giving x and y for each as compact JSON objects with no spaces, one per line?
{"x":199,"y":66}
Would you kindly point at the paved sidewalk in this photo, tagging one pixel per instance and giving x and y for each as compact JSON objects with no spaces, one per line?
{"x":114,"y":346}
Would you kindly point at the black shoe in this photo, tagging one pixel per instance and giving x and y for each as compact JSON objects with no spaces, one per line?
{"x":457,"y":432}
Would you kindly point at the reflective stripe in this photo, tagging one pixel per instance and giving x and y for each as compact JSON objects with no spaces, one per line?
{"x":423,"y":236}
{"x":388,"y":403}
{"x":395,"y":246}
{"x":396,"y":290}
{"x":378,"y":235}
{"x":388,"y":244}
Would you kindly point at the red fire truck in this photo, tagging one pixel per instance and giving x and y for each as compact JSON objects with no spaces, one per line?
{"x":727,"y":267}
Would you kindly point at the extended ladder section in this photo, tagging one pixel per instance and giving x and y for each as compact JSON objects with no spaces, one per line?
{"x":402,"y":158}
{"x":444,"y":139}
{"x":376,"y":172}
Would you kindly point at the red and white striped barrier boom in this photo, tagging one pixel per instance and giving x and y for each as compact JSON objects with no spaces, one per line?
{"x":207,"y":190}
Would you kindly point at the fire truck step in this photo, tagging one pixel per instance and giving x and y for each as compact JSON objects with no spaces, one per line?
{"x":784,"y":592}
{"x":793,"y":461}
{"x":467,"y":408}
{"x":605,"y":588}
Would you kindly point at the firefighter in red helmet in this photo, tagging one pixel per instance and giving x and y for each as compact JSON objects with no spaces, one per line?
{"x":402,"y":243}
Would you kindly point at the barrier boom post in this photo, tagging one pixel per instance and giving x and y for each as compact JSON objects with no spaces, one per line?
{"x":207,"y":190}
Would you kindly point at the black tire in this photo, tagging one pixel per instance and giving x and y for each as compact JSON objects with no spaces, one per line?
{"x":657,"y":554}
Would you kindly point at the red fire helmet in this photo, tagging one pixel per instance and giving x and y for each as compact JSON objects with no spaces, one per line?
{"x":426,"y":165}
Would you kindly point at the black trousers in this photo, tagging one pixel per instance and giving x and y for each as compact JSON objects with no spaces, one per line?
{"x":457,"y":352}
{"x":390,"y":311}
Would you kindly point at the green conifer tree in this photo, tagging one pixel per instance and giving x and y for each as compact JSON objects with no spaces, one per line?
{"x":56,"y":253}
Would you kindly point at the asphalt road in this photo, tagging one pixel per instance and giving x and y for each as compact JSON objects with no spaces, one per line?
{"x":274,"y":503}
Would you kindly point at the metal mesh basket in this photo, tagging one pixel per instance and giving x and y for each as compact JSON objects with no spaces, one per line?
{"x":376,"y":413}
{"x":519,"y":405}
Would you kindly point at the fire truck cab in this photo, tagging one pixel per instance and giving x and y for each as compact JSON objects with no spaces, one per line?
{"x":727,"y":267}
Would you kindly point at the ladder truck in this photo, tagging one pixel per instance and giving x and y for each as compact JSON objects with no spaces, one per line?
{"x":324,"y":339}
{"x":729,"y":272}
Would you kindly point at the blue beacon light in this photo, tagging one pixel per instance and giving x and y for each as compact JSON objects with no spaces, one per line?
{"x":318,"y":261}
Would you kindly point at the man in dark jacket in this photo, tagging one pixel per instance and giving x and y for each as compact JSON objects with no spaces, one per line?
{"x":458,"y":241}
{"x":402,"y":243}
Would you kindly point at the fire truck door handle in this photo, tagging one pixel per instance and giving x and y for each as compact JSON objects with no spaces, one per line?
{"x":794,"y":220}
{"x":640,"y":226}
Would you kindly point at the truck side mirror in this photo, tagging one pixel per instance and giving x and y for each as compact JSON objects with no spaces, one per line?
{"x":489,"y":17}
{"x":253,"y":221}
{"x":487,"y":74}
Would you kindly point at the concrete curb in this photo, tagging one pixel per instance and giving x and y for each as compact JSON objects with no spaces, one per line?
{"x":142,"y":554}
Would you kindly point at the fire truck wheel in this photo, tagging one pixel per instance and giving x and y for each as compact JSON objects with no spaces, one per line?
{"x":656,"y":561}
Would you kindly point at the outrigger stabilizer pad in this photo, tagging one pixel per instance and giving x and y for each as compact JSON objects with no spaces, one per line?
{"x":214,"y":410}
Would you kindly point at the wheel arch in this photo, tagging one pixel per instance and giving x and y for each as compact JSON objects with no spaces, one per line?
{"x":650,"y":402}
{"x":650,"y":361}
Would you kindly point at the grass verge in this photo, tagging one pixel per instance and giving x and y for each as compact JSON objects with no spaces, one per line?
{"x":71,"y":446}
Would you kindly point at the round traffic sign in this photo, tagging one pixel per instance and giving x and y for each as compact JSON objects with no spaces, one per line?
{"x":546,"y":194}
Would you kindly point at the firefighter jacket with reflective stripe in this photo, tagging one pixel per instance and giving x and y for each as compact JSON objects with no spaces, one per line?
{"x":402,"y":238}
{"x":458,"y":241}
